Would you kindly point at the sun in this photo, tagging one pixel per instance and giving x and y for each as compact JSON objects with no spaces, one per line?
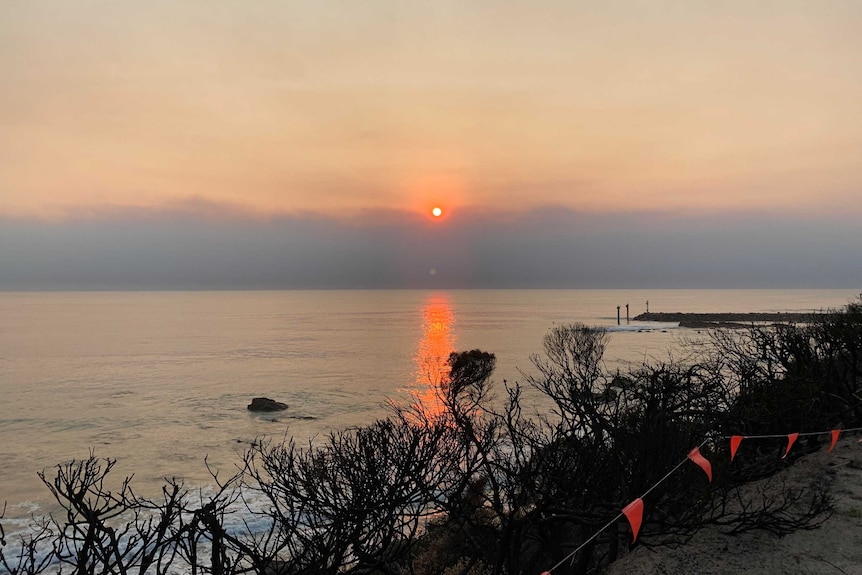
{"x":437,"y":212}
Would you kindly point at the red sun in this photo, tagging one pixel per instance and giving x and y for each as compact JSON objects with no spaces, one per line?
{"x":437,"y":212}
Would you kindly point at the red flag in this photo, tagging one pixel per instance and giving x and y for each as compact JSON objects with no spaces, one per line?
{"x":836,"y":433}
{"x":634,"y":512}
{"x":695,"y":456}
{"x":734,"y":445}
{"x":791,"y":439}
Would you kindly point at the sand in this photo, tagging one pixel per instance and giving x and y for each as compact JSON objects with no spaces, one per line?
{"x":833,"y":548}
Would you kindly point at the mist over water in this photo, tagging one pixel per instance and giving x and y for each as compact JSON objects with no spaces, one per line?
{"x":161,"y":380}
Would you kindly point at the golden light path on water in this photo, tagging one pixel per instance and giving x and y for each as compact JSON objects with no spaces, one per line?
{"x":435,"y":345}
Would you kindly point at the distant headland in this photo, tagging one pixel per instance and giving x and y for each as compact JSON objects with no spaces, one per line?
{"x":731,"y":320}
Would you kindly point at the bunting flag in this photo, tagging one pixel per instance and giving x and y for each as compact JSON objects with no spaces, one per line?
{"x":634,"y":512}
{"x":695,"y":456}
{"x":791,"y":439}
{"x":836,"y":433}
{"x":735,"y":440}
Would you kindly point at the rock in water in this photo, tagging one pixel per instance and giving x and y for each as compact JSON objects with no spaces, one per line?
{"x":266,"y":404}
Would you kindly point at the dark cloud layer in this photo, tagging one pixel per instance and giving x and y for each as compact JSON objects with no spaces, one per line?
{"x":550,"y":248}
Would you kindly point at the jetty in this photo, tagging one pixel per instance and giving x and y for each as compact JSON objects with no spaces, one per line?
{"x":731,"y":320}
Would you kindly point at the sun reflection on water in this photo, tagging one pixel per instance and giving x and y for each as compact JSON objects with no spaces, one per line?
{"x":437,"y":342}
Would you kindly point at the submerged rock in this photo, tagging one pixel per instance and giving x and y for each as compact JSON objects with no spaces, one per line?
{"x":266,"y":404}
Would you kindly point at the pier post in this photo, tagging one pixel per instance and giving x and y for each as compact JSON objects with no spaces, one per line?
{"x":618,"y":315}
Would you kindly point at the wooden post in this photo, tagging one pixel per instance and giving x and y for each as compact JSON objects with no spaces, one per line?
{"x":618,"y":315}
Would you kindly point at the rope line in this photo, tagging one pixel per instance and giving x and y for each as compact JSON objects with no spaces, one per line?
{"x":587,"y":542}
{"x":671,"y":472}
{"x":776,"y":436}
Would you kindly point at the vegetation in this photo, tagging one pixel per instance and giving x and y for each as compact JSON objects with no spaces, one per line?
{"x":483,"y":485}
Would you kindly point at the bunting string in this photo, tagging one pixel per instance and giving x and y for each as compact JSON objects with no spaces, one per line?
{"x":780,"y":435}
{"x":633,"y":512}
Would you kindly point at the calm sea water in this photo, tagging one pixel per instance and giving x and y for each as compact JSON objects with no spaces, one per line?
{"x":159,"y":380}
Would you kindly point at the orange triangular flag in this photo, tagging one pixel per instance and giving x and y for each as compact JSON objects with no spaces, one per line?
{"x":734,"y":445}
{"x":836,"y":433}
{"x":695,"y":456}
{"x":791,"y":439}
{"x":634,"y":512}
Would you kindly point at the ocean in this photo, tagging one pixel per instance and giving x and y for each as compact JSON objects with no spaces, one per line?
{"x":160,"y":380}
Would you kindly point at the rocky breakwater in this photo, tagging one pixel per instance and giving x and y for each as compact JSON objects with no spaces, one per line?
{"x":727,"y":320}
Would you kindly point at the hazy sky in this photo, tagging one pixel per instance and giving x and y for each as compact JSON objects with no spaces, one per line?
{"x":274,"y":143}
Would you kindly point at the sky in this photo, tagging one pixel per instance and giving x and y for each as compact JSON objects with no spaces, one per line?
{"x":280,"y":144}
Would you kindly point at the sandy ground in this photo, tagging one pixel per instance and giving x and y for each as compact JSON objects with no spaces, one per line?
{"x":833,"y":548}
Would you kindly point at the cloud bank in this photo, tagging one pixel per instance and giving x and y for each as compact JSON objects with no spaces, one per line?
{"x":549,"y":248}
